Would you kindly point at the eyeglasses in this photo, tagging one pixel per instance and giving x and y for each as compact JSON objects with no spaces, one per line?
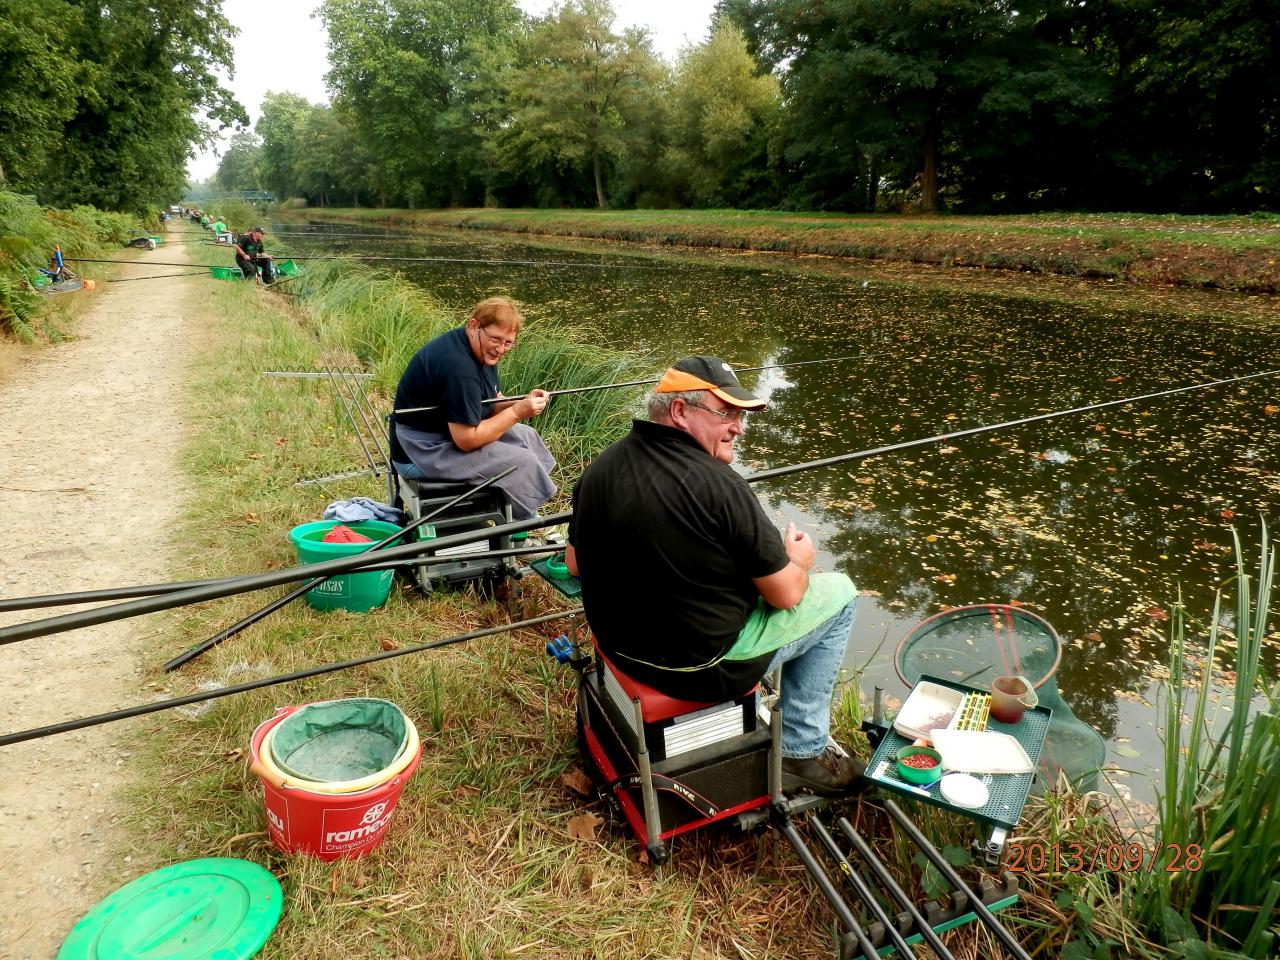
{"x":730,"y":416}
{"x":497,"y":342}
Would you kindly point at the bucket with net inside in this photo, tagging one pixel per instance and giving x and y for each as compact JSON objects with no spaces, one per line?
{"x":332,"y":773}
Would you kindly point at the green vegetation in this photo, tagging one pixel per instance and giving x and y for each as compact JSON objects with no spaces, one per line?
{"x":861,"y":105}
{"x":1221,"y":786}
{"x":480,"y":860}
{"x":98,"y":101}
{"x":1232,"y":253}
{"x":28,"y":234}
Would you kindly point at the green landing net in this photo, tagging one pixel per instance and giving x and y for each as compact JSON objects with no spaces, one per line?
{"x":975,"y":644}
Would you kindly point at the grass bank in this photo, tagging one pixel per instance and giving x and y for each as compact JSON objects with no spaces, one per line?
{"x":1229,"y":253}
{"x":479,"y":861}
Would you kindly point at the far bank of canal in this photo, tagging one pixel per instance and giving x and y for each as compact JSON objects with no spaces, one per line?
{"x":1094,"y":521}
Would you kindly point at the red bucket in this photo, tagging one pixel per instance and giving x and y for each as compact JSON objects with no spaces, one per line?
{"x":331,"y":826}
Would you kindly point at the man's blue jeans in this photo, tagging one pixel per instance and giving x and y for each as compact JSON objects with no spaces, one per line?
{"x":810,"y":666}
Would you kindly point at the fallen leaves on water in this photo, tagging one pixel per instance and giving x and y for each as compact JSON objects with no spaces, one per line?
{"x":1156,"y":613}
{"x":1271,"y":409}
{"x":1091,"y":638}
{"x":584,"y":826}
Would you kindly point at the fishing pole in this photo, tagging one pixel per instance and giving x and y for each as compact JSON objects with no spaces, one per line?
{"x":953,"y":878}
{"x":141,"y":709}
{"x":217,"y":590}
{"x":160,"y":276}
{"x":155,"y":589}
{"x":462,"y":260}
{"x":263,"y":612}
{"x":39,"y":628}
{"x":973,"y":431}
{"x":640,"y":383}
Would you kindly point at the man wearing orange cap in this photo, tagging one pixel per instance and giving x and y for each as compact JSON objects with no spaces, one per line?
{"x":661,"y":514}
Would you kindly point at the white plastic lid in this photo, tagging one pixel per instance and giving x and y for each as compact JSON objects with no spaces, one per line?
{"x":964,"y":791}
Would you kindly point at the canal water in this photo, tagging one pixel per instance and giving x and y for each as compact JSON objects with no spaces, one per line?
{"x":1096,"y":521}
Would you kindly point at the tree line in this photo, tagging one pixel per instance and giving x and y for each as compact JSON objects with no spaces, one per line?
{"x":102,"y":102}
{"x":861,"y":105}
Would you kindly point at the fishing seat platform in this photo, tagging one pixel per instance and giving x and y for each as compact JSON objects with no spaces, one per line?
{"x":487,"y":508}
{"x":670,"y":766}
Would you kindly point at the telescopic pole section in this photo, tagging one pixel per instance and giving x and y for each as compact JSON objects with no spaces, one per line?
{"x":264,"y":612}
{"x":863,"y":891}
{"x":895,"y":890}
{"x":973,"y":431}
{"x":155,"y":589}
{"x":142,"y":709}
{"x":783,"y":824}
{"x":641,"y":383}
{"x":953,"y":878}
{"x":87,"y":618}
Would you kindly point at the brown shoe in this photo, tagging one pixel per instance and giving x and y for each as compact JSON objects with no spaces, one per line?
{"x":829,"y":774}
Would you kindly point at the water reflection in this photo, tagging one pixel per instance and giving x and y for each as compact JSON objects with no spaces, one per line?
{"x":1094,"y":520}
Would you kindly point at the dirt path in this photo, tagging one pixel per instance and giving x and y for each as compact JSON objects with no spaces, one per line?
{"x":89,"y":487}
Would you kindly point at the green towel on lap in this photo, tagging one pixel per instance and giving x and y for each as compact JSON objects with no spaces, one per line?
{"x":769,"y":629}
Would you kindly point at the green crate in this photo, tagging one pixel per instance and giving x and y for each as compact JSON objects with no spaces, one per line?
{"x":226,"y":273}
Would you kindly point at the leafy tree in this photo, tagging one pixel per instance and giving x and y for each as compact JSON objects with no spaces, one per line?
{"x":898,"y":88}
{"x":1197,"y":118}
{"x":133,"y":123}
{"x":238,"y":168}
{"x":582,"y":92}
{"x":722,"y":110}
{"x":39,"y":75}
{"x":413,"y":75}
{"x":282,"y":145}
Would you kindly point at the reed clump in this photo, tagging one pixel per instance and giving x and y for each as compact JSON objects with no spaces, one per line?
{"x":1220,"y":791}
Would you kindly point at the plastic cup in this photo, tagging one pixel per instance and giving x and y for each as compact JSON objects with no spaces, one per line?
{"x":1010,"y":697}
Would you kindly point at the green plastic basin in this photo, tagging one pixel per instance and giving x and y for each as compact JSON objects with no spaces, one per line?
{"x":357,"y":592}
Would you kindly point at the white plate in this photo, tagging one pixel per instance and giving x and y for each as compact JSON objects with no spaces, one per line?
{"x":962,"y":790}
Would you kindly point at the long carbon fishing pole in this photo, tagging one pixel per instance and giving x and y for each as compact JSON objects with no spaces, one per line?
{"x":156,"y":589}
{"x":641,"y":383}
{"x":462,"y":260}
{"x":973,"y":431}
{"x":160,"y":276}
{"x":215,"y":590}
{"x":262,"y":612}
{"x":226,"y":588}
{"x":141,"y":709}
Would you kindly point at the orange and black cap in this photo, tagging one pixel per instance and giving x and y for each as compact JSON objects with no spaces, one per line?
{"x":708,"y":373}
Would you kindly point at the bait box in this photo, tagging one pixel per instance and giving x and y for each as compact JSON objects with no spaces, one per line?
{"x":928,"y":707}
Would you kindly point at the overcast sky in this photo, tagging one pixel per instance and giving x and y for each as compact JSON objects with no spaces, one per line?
{"x":282,"y":48}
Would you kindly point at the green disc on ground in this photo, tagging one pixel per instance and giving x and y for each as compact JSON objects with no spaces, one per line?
{"x":217,"y":908}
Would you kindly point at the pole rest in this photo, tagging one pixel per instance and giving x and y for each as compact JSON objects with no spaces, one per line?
{"x":560,"y":648}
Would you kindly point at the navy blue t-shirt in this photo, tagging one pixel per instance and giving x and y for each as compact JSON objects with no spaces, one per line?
{"x":446,"y":374}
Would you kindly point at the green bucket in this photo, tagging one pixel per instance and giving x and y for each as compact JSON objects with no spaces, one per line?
{"x":357,"y":592}
{"x":287,"y":268}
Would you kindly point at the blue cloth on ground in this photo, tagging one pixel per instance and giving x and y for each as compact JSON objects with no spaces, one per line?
{"x":363,"y":508}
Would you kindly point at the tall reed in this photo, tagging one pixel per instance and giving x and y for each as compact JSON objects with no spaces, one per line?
{"x":1220,"y":790}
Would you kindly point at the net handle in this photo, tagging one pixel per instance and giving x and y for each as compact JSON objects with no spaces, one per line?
{"x":992,"y":609}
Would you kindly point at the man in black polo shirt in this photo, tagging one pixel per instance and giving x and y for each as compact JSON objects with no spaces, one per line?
{"x":686,"y":583}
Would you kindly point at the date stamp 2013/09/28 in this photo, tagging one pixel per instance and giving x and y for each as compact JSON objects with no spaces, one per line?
{"x":1035,"y":856}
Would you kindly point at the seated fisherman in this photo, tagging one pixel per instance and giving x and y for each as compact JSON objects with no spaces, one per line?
{"x":464,"y":439}
{"x":251,"y":253}
{"x":688,"y":587}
